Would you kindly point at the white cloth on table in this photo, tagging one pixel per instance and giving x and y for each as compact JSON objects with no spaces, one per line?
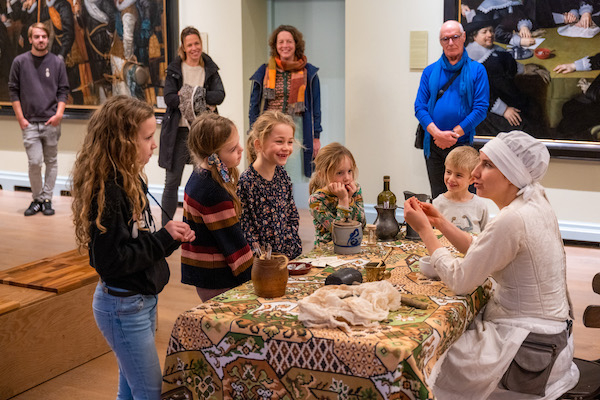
{"x":522,"y":250}
{"x":337,"y":306}
{"x":577,"y":31}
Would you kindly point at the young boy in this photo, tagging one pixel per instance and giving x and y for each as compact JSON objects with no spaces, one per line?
{"x":464,"y":209}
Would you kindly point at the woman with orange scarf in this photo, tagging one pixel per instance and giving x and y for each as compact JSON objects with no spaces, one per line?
{"x":290,"y":84}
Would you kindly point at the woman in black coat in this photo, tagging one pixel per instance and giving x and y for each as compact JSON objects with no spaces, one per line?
{"x":192,"y":86}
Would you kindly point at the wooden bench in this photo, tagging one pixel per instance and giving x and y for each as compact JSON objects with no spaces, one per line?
{"x":47,"y":326}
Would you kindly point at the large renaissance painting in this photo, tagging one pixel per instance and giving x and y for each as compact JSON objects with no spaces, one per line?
{"x":110,"y":47}
{"x":550,"y":87}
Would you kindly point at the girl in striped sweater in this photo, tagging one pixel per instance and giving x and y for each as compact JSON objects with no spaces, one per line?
{"x":220,"y":258}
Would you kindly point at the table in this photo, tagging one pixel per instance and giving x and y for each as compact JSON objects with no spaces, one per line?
{"x":240,"y":346}
{"x":562,"y":87}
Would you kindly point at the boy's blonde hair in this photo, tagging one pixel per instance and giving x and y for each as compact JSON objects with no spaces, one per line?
{"x":263,"y":127}
{"x":463,"y":157}
{"x":328,"y":159}
{"x":208,"y":134}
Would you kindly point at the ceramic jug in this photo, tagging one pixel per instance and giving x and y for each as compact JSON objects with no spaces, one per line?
{"x":411,"y":234}
{"x":347,"y":236}
{"x":386,"y":226}
{"x":270,"y":277}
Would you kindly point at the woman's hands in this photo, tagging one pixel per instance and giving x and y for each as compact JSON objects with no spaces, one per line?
{"x":421,"y":217}
{"x":415,"y":216}
{"x":316,"y":147}
{"x":180,"y":231}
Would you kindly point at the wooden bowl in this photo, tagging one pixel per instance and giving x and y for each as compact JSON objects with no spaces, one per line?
{"x":298,"y":267}
{"x":542,"y":53}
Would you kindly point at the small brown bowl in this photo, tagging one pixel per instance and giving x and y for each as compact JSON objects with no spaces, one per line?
{"x":542,"y":53}
{"x":298,"y":267}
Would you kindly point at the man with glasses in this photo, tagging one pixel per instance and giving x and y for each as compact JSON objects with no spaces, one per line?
{"x":452,"y":99}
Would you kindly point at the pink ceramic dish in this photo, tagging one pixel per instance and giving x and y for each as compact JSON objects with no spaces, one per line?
{"x":298,"y":267}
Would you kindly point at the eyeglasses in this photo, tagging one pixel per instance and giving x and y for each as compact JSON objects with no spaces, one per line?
{"x":446,"y":39}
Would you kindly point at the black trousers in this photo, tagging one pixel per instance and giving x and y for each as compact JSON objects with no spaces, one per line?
{"x":173,"y":176}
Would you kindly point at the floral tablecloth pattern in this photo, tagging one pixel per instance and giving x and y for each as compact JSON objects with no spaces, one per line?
{"x":240,"y":346}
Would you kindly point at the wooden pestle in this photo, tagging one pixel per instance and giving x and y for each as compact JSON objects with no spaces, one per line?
{"x":385,"y":257}
{"x":413,"y":303}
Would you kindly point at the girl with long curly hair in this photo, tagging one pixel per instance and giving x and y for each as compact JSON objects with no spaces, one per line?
{"x":113,"y":222}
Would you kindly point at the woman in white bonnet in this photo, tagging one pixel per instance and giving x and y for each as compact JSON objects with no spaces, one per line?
{"x":521,"y":248}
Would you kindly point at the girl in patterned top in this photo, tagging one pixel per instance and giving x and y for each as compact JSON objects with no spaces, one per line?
{"x":269,"y":213}
{"x":220,"y":257}
{"x":334,"y":192}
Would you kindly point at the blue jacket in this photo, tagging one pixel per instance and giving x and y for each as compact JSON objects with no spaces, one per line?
{"x":311,"y":118}
{"x":446,"y":114}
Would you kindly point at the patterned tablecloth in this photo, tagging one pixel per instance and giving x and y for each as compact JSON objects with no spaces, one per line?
{"x":240,"y":346}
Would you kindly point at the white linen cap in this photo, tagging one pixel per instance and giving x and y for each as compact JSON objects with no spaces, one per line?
{"x":521,"y":158}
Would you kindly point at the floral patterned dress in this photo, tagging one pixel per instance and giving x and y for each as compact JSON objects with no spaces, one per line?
{"x":325,"y":211}
{"x":269,"y":213}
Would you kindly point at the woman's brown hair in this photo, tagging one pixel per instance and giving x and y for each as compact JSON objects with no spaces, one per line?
{"x":187,"y":31}
{"x":109,"y":152}
{"x":296,"y":34}
{"x":208,"y":134}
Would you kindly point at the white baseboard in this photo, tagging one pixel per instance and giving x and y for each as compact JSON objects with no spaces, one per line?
{"x":570,"y":230}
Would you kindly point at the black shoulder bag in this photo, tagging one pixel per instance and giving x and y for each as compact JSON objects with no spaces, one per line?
{"x":420,"y":134}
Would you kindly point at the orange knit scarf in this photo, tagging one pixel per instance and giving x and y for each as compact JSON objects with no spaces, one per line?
{"x":297,"y":84}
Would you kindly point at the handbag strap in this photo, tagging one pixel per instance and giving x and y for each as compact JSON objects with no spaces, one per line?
{"x":447,"y":85}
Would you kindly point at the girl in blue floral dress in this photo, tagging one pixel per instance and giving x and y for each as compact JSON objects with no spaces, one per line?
{"x":269,"y":213}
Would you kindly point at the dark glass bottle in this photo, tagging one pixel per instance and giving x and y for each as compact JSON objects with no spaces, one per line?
{"x":386,"y":199}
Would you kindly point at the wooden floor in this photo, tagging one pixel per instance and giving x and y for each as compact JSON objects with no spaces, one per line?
{"x":25,"y":239}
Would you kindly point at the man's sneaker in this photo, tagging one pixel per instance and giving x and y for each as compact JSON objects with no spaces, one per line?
{"x":34,"y":208}
{"x":47,"y":208}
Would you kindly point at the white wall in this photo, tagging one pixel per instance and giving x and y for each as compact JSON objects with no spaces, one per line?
{"x":222,"y":21}
{"x":322,"y":25}
{"x":379,"y":95}
{"x":380,"y":91}
{"x":380,"y":122}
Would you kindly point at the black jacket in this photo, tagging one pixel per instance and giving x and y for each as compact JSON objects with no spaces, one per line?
{"x":126,"y":256}
{"x":215,"y":94}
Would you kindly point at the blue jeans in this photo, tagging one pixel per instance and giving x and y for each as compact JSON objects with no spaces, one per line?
{"x":128,"y":325}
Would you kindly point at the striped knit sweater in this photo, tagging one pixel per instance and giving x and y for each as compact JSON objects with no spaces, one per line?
{"x":219,"y":257}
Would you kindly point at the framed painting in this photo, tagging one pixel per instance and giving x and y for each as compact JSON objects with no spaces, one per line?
{"x":110,"y":47}
{"x":550,"y":86}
